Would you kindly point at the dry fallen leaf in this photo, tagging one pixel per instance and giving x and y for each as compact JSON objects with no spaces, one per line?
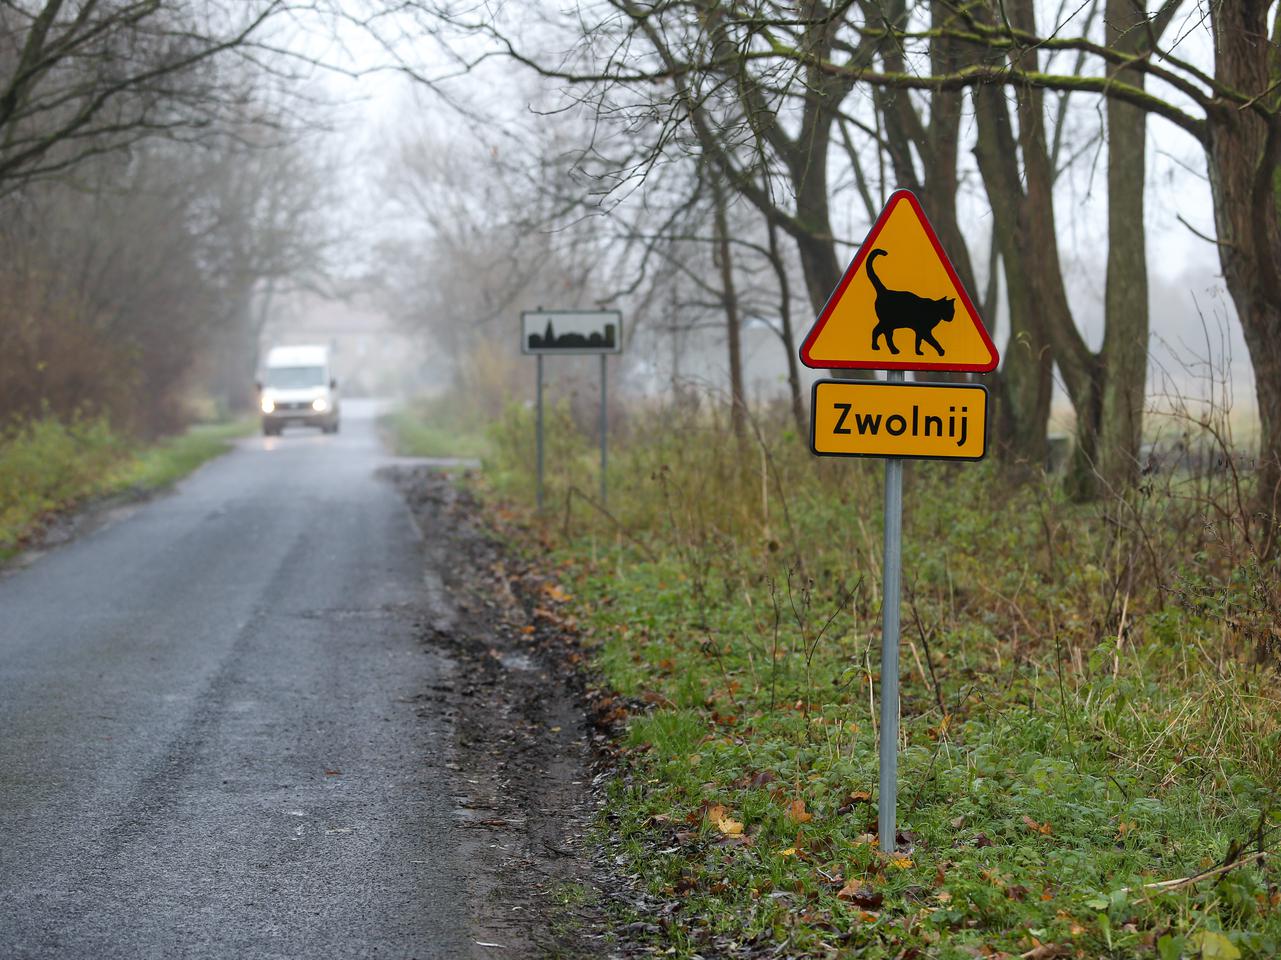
{"x":861,"y":895}
{"x":719,"y":817}
{"x":1046,"y":951}
{"x":796,"y":811}
{"x":1042,"y":828}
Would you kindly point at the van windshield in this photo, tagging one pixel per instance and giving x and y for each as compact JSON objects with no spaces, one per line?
{"x":295,"y":378}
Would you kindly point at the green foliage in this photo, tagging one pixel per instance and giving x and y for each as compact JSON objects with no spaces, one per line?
{"x":1079,"y":722}
{"x":172,"y":459}
{"x":48,"y":466}
{"x":567,"y":454}
{"x":444,"y":426}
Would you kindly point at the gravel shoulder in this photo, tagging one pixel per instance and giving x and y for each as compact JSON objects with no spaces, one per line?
{"x":525,"y":749}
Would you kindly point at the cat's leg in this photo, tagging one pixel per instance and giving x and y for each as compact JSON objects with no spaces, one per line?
{"x":929,"y":338}
{"x":876,"y":335}
{"x":889,"y":340}
{"x":918,"y":345}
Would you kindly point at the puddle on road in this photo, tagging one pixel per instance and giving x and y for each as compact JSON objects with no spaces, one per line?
{"x":515,"y":660}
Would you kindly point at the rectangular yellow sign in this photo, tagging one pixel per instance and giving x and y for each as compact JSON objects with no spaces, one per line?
{"x":868,"y":418}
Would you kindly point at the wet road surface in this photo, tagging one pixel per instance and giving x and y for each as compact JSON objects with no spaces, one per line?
{"x":207,"y":745}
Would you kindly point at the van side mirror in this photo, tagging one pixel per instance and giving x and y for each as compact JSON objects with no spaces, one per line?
{"x":333,"y":383}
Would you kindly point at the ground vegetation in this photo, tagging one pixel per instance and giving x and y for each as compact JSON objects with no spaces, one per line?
{"x":1089,"y":712}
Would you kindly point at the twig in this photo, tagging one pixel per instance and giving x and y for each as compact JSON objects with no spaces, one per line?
{"x":1198,"y":877}
{"x":574,"y":491}
{"x":929,"y":659}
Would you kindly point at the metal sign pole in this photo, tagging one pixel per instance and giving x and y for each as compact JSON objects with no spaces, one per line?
{"x":892,"y":560}
{"x":604,"y":424}
{"x":539,"y":431}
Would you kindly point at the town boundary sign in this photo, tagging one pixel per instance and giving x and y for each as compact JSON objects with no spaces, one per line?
{"x":571,"y":331}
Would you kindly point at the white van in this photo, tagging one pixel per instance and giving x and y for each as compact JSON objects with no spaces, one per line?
{"x":298,"y":386}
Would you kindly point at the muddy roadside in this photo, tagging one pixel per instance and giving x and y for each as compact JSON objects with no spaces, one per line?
{"x":530,"y":735}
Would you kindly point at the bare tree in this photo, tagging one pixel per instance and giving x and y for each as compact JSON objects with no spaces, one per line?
{"x":762,"y":89}
{"x":269,"y":216}
{"x":1234,"y":114}
{"x":78,"y":79}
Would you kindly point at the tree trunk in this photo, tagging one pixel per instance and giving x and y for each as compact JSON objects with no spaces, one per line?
{"x":937,"y":145}
{"x":729,"y":296}
{"x":1125,"y":338}
{"x":1026,"y":386}
{"x":1244,"y":153}
{"x":786,"y":332}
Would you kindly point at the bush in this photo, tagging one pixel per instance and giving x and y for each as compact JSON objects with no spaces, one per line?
{"x":47,"y":465}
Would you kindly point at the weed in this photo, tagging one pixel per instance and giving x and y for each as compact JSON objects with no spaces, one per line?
{"x":436,"y":427}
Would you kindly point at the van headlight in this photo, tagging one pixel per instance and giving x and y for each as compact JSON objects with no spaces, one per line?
{"x":267,"y":405}
{"x":320,"y":404}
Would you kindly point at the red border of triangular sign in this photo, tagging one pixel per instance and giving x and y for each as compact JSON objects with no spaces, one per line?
{"x":852,"y":269}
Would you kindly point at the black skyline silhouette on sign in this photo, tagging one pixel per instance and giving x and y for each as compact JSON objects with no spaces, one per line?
{"x":595,"y":340}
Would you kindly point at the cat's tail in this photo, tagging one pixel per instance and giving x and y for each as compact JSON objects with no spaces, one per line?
{"x":871,"y":274}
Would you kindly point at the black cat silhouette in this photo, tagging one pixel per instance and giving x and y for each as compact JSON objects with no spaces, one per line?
{"x":896,"y":309}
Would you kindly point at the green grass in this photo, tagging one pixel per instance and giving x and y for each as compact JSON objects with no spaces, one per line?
{"x":48,"y":466}
{"x":172,"y":459}
{"x":435,"y":427}
{"x":1090,"y":705}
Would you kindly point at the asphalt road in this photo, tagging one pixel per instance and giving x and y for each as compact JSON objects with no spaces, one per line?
{"x":207,"y":747}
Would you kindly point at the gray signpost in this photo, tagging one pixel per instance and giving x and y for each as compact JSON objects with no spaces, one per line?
{"x":572,"y":332}
{"x":845,"y":416}
{"x":604,"y":429}
{"x":891,"y":571}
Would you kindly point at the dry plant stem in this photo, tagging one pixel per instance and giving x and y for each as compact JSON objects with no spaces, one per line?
{"x":920,"y":787}
{"x":916,"y":657}
{"x":1120,"y":637}
{"x":871,"y":691}
{"x":929,"y":659}
{"x":773,"y":660}
{"x":720,"y":662}
{"x":1063,"y":711}
{"x":754,"y":423}
{"x":1167,"y":885}
{"x":753,"y":650}
{"x":574,"y":491}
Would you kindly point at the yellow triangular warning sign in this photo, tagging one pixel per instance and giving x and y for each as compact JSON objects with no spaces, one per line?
{"x":900,"y":305}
